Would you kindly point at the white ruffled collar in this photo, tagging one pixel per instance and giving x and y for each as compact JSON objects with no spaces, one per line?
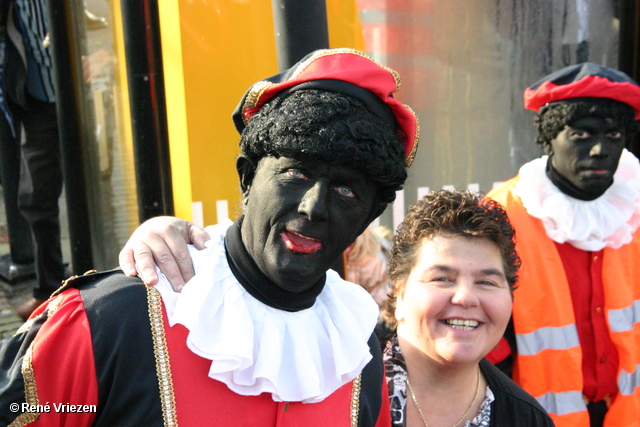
{"x":609,"y":220}
{"x":299,"y":356}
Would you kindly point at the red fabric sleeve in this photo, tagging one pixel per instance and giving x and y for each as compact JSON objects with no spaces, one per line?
{"x":63,"y":365}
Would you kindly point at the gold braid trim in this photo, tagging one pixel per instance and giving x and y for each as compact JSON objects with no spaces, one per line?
{"x":30,"y":391}
{"x":253,"y":97}
{"x":354,"y":409}
{"x":416,"y":139}
{"x":25,"y":326}
{"x":66,"y":284}
{"x":53,"y":306}
{"x":161,"y":352}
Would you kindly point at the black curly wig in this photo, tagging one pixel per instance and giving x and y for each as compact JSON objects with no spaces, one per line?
{"x":551,"y":120}
{"x":324,"y":126}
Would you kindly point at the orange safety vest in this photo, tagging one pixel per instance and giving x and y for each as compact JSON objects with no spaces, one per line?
{"x":549,"y":359}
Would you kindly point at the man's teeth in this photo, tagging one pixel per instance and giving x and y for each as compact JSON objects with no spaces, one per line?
{"x":465,"y":325}
{"x":303,"y":236}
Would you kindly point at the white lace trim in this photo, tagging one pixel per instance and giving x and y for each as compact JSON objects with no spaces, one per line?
{"x":302,"y":356}
{"x":610,"y":220}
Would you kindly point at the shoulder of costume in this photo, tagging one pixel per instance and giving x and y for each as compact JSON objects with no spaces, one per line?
{"x":117,"y":309}
{"x":94,"y":277}
{"x":108,"y":294}
{"x":107,"y":281}
{"x":119,"y":334}
{"x":113,"y":303}
{"x":13,"y":351}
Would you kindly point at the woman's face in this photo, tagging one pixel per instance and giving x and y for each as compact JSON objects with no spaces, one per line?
{"x":456,"y":303}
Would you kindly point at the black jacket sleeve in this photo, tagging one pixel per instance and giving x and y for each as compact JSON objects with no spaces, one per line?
{"x":512,"y":405}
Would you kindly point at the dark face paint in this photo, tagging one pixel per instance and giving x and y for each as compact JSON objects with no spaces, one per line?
{"x":300,"y":216}
{"x":587,"y":153}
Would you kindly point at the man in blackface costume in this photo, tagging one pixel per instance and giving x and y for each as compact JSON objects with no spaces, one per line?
{"x":576,"y":212}
{"x":265,"y":334}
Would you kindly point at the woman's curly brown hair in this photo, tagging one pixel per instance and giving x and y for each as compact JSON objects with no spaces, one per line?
{"x":448,"y":213}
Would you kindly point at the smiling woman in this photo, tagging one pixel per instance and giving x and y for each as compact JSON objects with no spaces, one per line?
{"x":456,"y":302}
{"x":453,"y":272}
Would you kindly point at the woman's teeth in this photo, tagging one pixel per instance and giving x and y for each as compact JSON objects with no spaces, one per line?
{"x":465,"y":325}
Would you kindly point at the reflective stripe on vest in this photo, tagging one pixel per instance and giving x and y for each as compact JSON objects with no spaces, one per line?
{"x":623,"y":319}
{"x":548,"y":362}
{"x":554,"y":338}
{"x":628,"y":381}
{"x":562,"y":403}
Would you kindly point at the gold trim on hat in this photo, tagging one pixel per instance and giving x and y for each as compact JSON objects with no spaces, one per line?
{"x":161,"y":353}
{"x":416,"y":139}
{"x":253,"y":97}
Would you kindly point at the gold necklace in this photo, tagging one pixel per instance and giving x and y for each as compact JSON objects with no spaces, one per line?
{"x":415,"y":401}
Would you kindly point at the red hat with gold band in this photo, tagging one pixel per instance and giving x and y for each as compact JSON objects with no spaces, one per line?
{"x":346,"y":71}
{"x":586,"y":80}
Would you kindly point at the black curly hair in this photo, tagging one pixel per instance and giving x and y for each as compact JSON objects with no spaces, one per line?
{"x":552,"y":119}
{"x":448,"y":213}
{"x":325,"y":126}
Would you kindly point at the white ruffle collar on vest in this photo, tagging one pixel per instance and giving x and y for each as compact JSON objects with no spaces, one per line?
{"x":299,"y":356}
{"x":609,"y":220}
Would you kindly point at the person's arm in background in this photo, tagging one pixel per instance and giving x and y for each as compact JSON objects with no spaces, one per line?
{"x":162,"y":241}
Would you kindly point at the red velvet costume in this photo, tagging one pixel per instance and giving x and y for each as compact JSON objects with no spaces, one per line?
{"x":99,"y":352}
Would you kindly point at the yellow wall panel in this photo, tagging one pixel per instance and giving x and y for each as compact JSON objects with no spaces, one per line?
{"x":345,"y":29}
{"x":169,"y":12}
{"x":227,"y":46}
{"x":212,"y":52}
{"x":122,"y":111}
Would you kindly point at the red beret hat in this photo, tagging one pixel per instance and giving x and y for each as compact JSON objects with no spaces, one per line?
{"x":586,"y":80}
{"x":346,"y":71}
